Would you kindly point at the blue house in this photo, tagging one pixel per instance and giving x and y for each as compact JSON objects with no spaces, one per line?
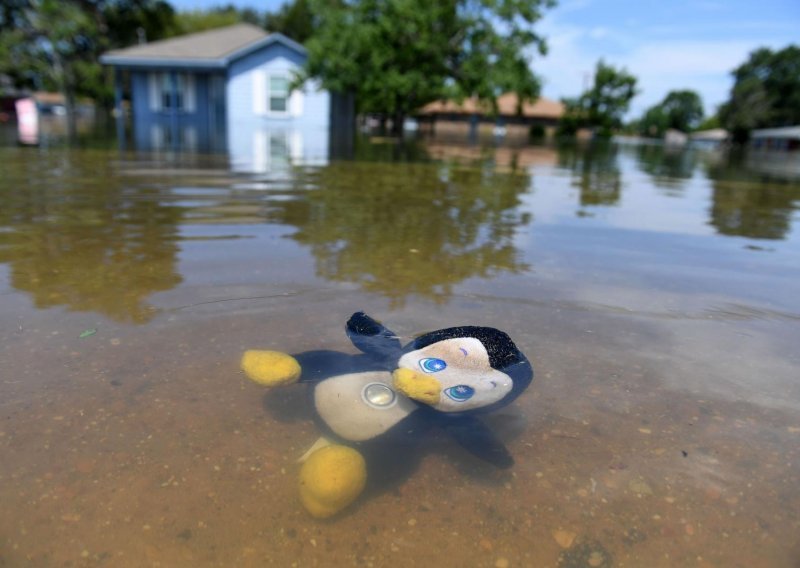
{"x":227,"y":89}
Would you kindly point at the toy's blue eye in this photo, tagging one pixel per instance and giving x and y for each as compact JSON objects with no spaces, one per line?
{"x":460,"y":393}
{"x":432,"y":365}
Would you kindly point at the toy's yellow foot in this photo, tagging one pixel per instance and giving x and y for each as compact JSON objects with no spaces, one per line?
{"x":270,"y":368}
{"x":330,"y":479}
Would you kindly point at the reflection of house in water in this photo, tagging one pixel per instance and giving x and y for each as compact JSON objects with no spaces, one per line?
{"x":473,"y":119}
{"x":226,"y":89}
{"x":510,"y":157}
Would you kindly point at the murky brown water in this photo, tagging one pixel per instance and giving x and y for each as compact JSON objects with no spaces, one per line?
{"x":656,"y":293}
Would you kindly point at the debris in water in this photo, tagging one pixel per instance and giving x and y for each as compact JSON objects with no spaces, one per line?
{"x":589,"y":553}
{"x":564,"y":538}
{"x":87,"y":333}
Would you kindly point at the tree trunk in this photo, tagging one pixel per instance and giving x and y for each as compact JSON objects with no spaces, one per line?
{"x":72,"y":119}
{"x":65,"y":80}
{"x":398,"y":122}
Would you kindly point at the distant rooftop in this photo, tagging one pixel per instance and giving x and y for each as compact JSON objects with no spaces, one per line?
{"x":792,"y":132}
{"x":213,"y":48}
{"x":506,"y":106}
{"x":713,"y":134}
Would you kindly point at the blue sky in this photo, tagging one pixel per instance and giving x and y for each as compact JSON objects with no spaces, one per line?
{"x":667,"y":44}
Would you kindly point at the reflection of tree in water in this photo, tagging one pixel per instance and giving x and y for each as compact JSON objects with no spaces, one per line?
{"x":595,"y":172}
{"x":744,"y":206}
{"x":82,"y":241}
{"x":668,"y":167}
{"x":413,"y":229}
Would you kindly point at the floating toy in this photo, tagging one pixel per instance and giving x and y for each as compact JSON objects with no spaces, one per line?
{"x":374,"y":408}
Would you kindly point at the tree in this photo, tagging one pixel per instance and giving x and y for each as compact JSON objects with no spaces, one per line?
{"x":192,"y":21}
{"x":48,"y":45}
{"x":603,"y":105}
{"x":766,"y":92}
{"x":654,"y":122}
{"x":397,"y":55}
{"x":680,"y":110}
{"x":129,"y":22}
{"x":294,"y":20}
{"x":56,"y":44}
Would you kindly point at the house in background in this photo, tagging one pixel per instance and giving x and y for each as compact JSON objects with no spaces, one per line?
{"x":785,"y":138}
{"x":470,"y":117}
{"x":226,"y":89}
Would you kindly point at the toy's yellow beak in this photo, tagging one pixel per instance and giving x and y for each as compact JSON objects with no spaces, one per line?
{"x":418,"y":386}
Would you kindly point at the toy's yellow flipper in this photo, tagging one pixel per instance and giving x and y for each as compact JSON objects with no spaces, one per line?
{"x":270,"y":368}
{"x":330,"y":479}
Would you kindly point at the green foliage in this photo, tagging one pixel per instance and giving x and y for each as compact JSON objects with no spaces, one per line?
{"x":680,"y":110}
{"x":398,"y":55}
{"x":45,"y":43}
{"x":56,"y":44}
{"x":603,"y":105}
{"x":766,"y":92}
{"x":124,"y":20}
{"x":193,"y":21}
{"x":710,"y":123}
{"x":294,"y":20}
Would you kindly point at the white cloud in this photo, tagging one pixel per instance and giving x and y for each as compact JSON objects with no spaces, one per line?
{"x":599,"y":32}
{"x":703,"y":65}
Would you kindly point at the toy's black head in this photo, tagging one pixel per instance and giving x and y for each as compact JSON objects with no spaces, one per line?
{"x":454,"y":370}
{"x":477,"y":369}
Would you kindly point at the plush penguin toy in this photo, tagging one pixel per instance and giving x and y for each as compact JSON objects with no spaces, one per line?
{"x":374,"y":408}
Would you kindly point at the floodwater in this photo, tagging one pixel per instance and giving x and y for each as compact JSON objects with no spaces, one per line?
{"x":655,"y":291}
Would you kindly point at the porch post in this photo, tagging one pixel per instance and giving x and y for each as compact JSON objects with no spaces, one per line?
{"x":120,"y":117}
{"x":173,"y":109}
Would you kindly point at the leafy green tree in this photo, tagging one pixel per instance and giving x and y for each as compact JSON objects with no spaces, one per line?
{"x":130,"y":21}
{"x":294,"y":20}
{"x":766,"y":92}
{"x":192,"y":21}
{"x":56,"y":44}
{"x":603,"y":105}
{"x":684,"y":110}
{"x":654,"y":122}
{"x":397,"y":55}
{"x":710,"y":123}
{"x":48,"y":46}
{"x":680,"y":110}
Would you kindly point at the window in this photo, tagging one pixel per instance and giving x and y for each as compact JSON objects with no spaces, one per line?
{"x":278,"y":94}
{"x":166,"y":91}
{"x":161,"y":96}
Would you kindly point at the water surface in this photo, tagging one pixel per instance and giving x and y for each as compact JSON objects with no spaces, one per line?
{"x":654,"y":290}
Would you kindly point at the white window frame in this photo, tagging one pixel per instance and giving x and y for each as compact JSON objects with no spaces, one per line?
{"x":287,"y":94}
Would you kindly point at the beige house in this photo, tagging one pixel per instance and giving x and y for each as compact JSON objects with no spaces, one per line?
{"x":471,"y":117}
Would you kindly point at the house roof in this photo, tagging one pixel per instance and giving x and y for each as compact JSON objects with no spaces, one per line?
{"x":712,"y":134}
{"x":211,"y":48}
{"x":506,"y":106}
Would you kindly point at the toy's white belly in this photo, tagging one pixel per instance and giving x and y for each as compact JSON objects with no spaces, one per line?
{"x":361,"y":406}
